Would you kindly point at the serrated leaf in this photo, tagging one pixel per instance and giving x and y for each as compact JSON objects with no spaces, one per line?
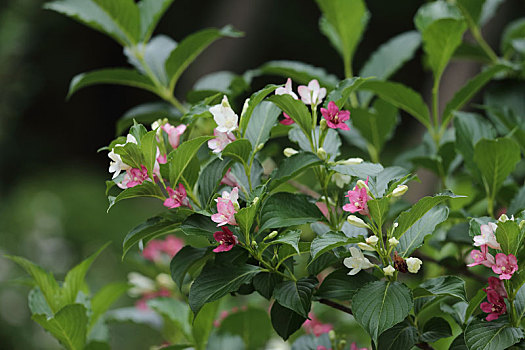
{"x":446,"y":285}
{"x":290,"y":238}
{"x":210,"y":178}
{"x":183,"y":261}
{"x":104,"y":298}
{"x":146,"y":189}
{"x":240,"y":150}
{"x":339,"y":285}
{"x":474,"y":303}
{"x":255,"y":99}
{"x":245,"y":218}
{"x":403,"y":336}
{"x":252,"y":324}
{"x":329,"y":241}
{"x":68,"y":326}
{"x":296,"y":295}
{"x":361,"y":171}
{"x":175,"y":310}
{"x":433,"y":11}
{"x":435,"y":329}
{"x":331,"y":144}
{"x":203,"y":324}
{"x":265,"y":282}
{"x":148,"y":147}
{"x":125,"y":14}
{"x":508,"y":235}
{"x":150,"y":13}
{"x":285,"y":321}
{"x":264,"y":117}
{"x":179,"y":158}
{"x":291,"y":167}
{"x":380,"y":305}
{"x":482,"y":335}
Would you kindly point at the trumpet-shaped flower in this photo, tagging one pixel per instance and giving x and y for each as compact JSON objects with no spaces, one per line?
{"x":340,"y":179}
{"x":286,"y":90}
{"x":312,"y":94}
{"x":225,"y":213}
{"x":495,"y":306}
{"x":357,"y":261}
{"x":227,"y":240}
{"x":482,"y":257}
{"x":229,"y":179}
{"x":505,"y":266}
{"x":487,"y":236}
{"x":232,"y":196}
{"x":334,"y":117}
{"x":134,"y":177}
{"x":174,"y":133}
{"x":497,"y":285}
{"x":358,"y":199}
{"x":221,"y":140}
{"x":116,"y":165}
{"x":224,"y":116}
{"x":176,"y":197}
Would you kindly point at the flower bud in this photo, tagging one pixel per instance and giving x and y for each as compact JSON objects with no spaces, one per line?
{"x":164,"y":280}
{"x":254,"y":244}
{"x":364,"y":246}
{"x":372,"y":240}
{"x":273,"y":234}
{"x":323,"y":124}
{"x":341,"y":180}
{"x":321,"y":153}
{"x":288,"y":152}
{"x":259,"y":147}
{"x":399,"y":190}
{"x":245,"y":107}
{"x":389,"y":270}
{"x":396,"y":224}
{"x":522,"y":224}
{"x":503,"y":218}
{"x":393,"y":242}
{"x":225,"y":103}
{"x":357,"y":222}
{"x":255,"y":200}
{"x":414,"y":264}
{"x":350,"y":161}
{"x":331,"y":335}
{"x":362,"y":184}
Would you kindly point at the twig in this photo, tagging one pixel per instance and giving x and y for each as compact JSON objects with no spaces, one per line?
{"x":336,"y":306}
{"x":304,"y":189}
{"x":461,"y":269}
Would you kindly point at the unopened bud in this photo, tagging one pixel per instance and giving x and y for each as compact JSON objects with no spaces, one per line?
{"x":350,"y":161}
{"x":503,"y":218}
{"x":259,"y":147}
{"x":321,"y":153}
{"x":331,"y":335}
{"x":342,"y":344}
{"x":225,"y":102}
{"x":273,"y":234}
{"x":288,"y":152}
{"x":522,"y":224}
{"x":399,"y":190}
{"x":323,"y":124}
{"x":255,"y":200}
{"x":362,"y":184}
{"x":372,"y":240}
{"x":396,"y":224}
{"x":364,"y":246}
{"x":393,"y":242}
{"x":357,"y":222}
{"x":254,"y":244}
{"x":245,"y":107}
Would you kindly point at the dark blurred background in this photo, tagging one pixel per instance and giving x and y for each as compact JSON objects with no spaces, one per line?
{"x":52,"y":202}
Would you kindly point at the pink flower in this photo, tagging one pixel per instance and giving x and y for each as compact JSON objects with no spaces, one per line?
{"x":495,"y":305}
{"x":225,"y":213}
{"x":354,"y":347}
{"x":316,"y":327}
{"x":358,"y":199}
{"x":229,"y":179}
{"x":176,"y":198}
{"x":221,"y":140}
{"x":141,"y":304}
{"x":227,"y":240}
{"x":312,"y":94}
{"x":134,"y":177}
{"x":174,"y":133}
{"x":287,"y":120}
{"x":496,"y":285}
{"x":286,"y":90}
{"x":335,"y":118}
{"x":156,"y":248}
{"x":232,"y":196}
{"x":322,"y":347}
{"x":505,"y":266}
{"x":162,"y":159}
{"x":482,"y":257}
{"x":487,"y":236}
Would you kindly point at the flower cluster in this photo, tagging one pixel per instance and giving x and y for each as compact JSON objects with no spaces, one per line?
{"x":227,"y":207}
{"x":227,"y":122}
{"x":313,"y":326}
{"x":358,"y":198}
{"x":156,"y":249}
{"x":496,"y":295}
{"x":145,"y":288}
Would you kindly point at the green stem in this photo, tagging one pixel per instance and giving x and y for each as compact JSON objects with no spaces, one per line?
{"x":354,"y":102}
{"x":490,"y":206}
{"x":476,"y":33}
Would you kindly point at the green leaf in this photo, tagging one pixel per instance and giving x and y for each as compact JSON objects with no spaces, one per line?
{"x":75,"y":278}
{"x":348,"y":19}
{"x":175,"y":310}
{"x":183,"y":261}
{"x":403,"y":336}
{"x":245,"y":218}
{"x":265,"y":282}
{"x":150,"y":13}
{"x":379,"y":182}
{"x":446,"y":285}
{"x":296,"y":295}
{"x":433,"y":11}
{"x":459,"y":343}
{"x":146,"y":189}
{"x":125,"y":14}
{"x":331,"y":144}
{"x":199,"y":225}
{"x":519,"y":302}
{"x":210,"y":179}
{"x":402,"y":97}
{"x":513,"y":30}
{"x":440,"y":39}
{"x":264,"y":117}
{"x":496,"y":159}
{"x":130,"y":154}
{"x":495,"y":335}
{"x":469,"y":90}
{"x":68,"y":326}
{"x":255,"y":99}
{"x":472,"y":10}
{"x":37,"y":303}
{"x":339,"y":285}
{"x":203,"y":324}
{"x":296,"y":110}
{"x":408,"y":218}
{"x":379,"y":210}
{"x":104,"y":298}
{"x":287,"y":209}
{"x":90,"y":14}
{"x":329,"y":241}
{"x":239,"y":150}
{"x":154,"y":227}
{"x":362,"y":170}
{"x":290,"y":238}
{"x":508,"y":235}
{"x":190,"y":47}
{"x":299,"y":72}
{"x":474,"y":303}
{"x":179,"y":158}
{"x":435,"y":329}
{"x":388,"y":58}
{"x":291,"y":167}
{"x":252,"y":324}
{"x":343,"y":90}
{"x":146,"y":113}
{"x":380,"y":305}
{"x":285,"y":321}
{"x":118,"y":76}
{"x":148,"y":145}
{"x":376,"y":125}
{"x":518,"y":202}
{"x":215,"y":281}
{"x":415,"y":235}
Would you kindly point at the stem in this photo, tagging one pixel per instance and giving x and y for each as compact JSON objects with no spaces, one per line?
{"x":476,"y":33}
{"x":354,"y":102}
{"x":314,"y":124}
{"x":435,"y":101}
{"x":490,"y":206}
{"x":336,"y":306}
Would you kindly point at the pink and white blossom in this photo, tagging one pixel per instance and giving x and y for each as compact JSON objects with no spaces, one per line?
{"x":176,"y":197}
{"x":334,"y":117}
{"x":224,"y":116}
{"x":313,"y":94}
{"x":227,"y":206}
{"x":286,"y":90}
{"x":221,"y":140}
{"x":314,"y":326}
{"x":482,"y":257}
{"x":174,"y":133}
{"x":116,"y":165}
{"x":487,"y":236}
{"x":227,"y":240}
{"x":229,"y":179}
{"x":134,"y":177}
{"x":358,"y":199}
{"x":505,"y":266}
{"x":156,"y":248}
{"x":232,"y":196}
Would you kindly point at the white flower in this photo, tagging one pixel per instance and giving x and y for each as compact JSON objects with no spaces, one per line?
{"x":116,"y":165}
{"x":221,"y":140}
{"x":224,"y":116}
{"x":389,"y":270}
{"x":130,"y":139}
{"x":357,"y":262}
{"x":286,"y":90}
{"x":505,"y":218}
{"x":288,"y":152}
{"x":372,"y":240}
{"x":245,"y":106}
{"x":140,"y":284}
{"x":156,"y":124}
{"x":350,"y":161}
{"x":341,"y":180}
{"x":413,"y":264}
{"x":312,"y":94}
{"x":364,"y":246}
{"x":399,"y":190}
{"x":354,"y":220}
{"x":321,"y":153}
{"x":164,"y":280}
{"x":393,"y":241}
{"x":487,"y":236}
